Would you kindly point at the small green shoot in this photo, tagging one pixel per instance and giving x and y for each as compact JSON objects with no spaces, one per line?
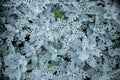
{"x":88,"y":23}
{"x":53,"y":63}
{"x":49,"y":65}
{"x":36,"y":64}
{"x":59,"y":16}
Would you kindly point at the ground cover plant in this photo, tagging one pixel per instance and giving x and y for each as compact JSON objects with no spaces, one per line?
{"x":59,"y":40}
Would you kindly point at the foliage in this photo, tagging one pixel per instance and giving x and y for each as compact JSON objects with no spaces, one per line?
{"x":59,"y":39}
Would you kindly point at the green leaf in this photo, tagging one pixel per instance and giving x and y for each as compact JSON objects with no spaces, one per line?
{"x":49,"y":65}
{"x":57,"y":15}
{"x":89,"y":22}
{"x":38,"y":64}
{"x":52,"y":63}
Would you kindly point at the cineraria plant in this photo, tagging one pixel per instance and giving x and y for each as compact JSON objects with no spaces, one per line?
{"x":59,"y":40}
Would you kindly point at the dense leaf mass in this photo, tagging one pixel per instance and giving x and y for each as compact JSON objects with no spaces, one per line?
{"x":59,"y":40}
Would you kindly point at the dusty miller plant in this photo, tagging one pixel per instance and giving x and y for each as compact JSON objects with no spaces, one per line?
{"x":59,"y":40}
